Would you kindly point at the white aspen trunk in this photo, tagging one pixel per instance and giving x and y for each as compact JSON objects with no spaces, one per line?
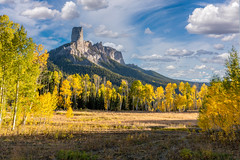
{"x":15,"y":107}
{"x":1,"y":107}
{"x":2,"y":101}
{"x":137,"y":104}
{"x":25,"y":115}
{"x":121,"y":99}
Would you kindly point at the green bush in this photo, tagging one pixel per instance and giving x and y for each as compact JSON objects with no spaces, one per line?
{"x":187,"y":154}
{"x":74,"y":155}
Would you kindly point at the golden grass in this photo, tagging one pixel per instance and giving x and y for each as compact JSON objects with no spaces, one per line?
{"x":99,"y":121}
{"x":109,"y":135}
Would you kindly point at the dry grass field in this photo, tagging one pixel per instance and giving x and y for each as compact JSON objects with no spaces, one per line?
{"x":114,"y":135}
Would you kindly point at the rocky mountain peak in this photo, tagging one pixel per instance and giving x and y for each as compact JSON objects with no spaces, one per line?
{"x":77,"y":34}
{"x":96,"y":53}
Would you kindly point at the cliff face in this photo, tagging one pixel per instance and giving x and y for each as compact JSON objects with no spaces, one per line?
{"x":96,"y":53}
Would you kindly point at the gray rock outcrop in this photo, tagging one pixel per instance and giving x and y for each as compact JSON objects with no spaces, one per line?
{"x":96,"y":53}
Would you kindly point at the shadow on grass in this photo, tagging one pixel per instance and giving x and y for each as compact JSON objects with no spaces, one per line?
{"x":155,"y":144}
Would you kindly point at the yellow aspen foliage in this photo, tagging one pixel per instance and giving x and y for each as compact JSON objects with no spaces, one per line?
{"x":194,"y":95}
{"x":221,"y":105}
{"x":66,"y":93}
{"x":148,"y":91}
{"x":47,"y":103}
{"x":108,"y":95}
{"x":69,"y":113}
{"x":180,"y":102}
{"x":170,"y":94}
{"x":137,"y":93}
{"x":159,"y":95}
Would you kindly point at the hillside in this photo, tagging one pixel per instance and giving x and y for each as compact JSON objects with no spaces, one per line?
{"x":82,"y":57}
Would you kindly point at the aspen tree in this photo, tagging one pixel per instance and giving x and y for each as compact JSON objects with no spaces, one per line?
{"x":66,"y":93}
{"x":159,"y":94}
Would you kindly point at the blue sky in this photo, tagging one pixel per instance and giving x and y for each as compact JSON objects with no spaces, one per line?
{"x":182,"y":39}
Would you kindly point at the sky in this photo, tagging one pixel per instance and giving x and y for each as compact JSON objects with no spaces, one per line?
{"x":181,"y":39}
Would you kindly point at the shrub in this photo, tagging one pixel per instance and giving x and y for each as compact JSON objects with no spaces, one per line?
{"x":74,"y":155}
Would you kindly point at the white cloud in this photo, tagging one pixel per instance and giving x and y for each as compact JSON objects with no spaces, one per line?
{"x":85,"y":25}
{"x":215,"y":19}
{"x":229,"y":37}
{"x":102,"y":31}
{"x":200,"y":80}
{"x":219,"y":46}
{"x":40,"y":13}
{"x":113,"y":45}
{"x":170,"y":67}
{"x":93,"y":5}
{"x":69,"y":11}
{"x":148,"y":31}
{"x":6,"y":1}
{"x":179,"y":74}
{"x":220,"y":73}
{"x":223,"y":56}
{"x":220,"y":59}
{"x":200,"y":67}
{"x":178,"y":52}
{"x":215,"y":35}
{"x":154,"y":57}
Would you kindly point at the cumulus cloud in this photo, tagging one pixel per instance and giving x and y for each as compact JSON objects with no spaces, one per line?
{"x":178,"y":52}
{"x":113,"y":45}
{"x":219,"y":46}
{"x":69,"y":11}
{"x":204,"y":52}
{"x":220,"y":59}
{"x":215,"y":19}
{"x":102,"y":31}
{"x":93,"y":5}
{"x":40,"y":13}
{"x":154,"y":57}
{"x":229,"y":37}
{"x":200,"y":67}
{"x":148,"y":31}
{"x":170,"y":67}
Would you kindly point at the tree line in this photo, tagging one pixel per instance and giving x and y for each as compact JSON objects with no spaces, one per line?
{"x":96,"y":93}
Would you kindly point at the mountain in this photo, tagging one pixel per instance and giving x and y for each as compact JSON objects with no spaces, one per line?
{"x":79,"y":48}
{"x":82,"y":57}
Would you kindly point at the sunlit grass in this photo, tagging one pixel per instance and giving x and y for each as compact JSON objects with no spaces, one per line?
{"x":101,"y":121}
{"x":110,"y":135}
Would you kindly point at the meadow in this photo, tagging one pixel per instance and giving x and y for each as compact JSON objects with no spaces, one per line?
{"x":114,"y":135}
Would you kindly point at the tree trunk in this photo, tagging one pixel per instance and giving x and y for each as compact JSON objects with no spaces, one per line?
{"x":137,"y":104}
{"x":25,"y":115}
{"x":133,"y":102}
{"x":146,"y":108}
{"x":16,"y":106}
{"x":1,"y":114}
{"x":75,"y":101}
{"x":121,"y":99}
{"x":2,"y":101}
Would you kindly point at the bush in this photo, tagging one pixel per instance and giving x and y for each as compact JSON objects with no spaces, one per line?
{"x":74,"y":155}
{"x":187,"y":154}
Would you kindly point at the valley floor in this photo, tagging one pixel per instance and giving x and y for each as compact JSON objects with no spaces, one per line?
{"x":114,"y":135}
